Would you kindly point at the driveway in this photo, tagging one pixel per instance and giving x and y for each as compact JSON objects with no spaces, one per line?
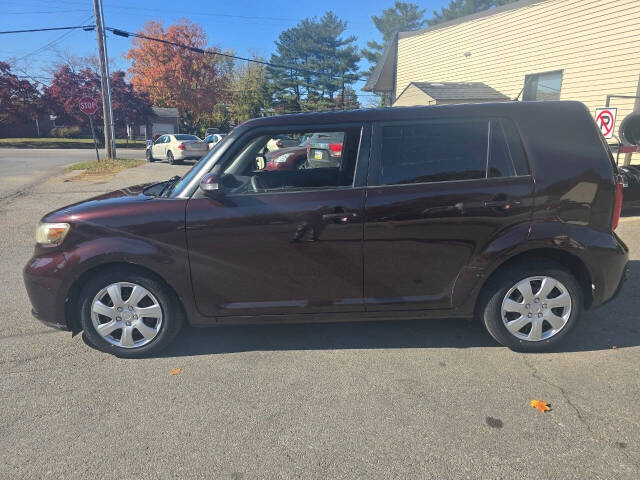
{"x":21,"y":167}
{"x":393,"y":399}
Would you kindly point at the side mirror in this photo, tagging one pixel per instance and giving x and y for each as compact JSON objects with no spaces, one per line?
{"x":210,"y":184}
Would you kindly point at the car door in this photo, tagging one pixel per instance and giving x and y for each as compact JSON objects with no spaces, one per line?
{"x":441,"y":192}
{"x":158,"y":149}
{"x":285,"y":250}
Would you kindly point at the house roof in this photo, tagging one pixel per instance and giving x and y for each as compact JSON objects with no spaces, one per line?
{"x":381,"y":80}
{"x":165,"y":111}
{"x":459,"y":91}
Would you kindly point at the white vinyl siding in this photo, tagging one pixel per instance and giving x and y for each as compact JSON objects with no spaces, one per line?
{"x":595,"y":43}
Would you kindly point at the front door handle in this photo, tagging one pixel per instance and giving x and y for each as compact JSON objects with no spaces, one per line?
{"x":339,"y":217}
{"x":505,"y":204}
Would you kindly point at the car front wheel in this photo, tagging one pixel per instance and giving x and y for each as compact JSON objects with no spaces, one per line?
{"x":150,"y":156}
{"x":129,"y":313}
{"x":532,"y":306}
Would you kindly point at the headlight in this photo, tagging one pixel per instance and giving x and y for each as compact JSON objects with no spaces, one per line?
{"x":282,"y":158}
{"x":51,"y":233}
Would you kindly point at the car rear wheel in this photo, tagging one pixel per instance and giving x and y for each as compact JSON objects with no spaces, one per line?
{"x":128,"y":313}
{"x":532,"y":306}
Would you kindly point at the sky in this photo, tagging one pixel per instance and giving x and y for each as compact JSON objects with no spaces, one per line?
{"x":246,"y":26}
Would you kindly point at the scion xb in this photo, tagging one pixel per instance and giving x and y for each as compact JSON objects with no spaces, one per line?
{"x":504,"y":212}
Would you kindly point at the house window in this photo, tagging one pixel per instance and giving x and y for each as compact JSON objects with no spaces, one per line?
{"x":543,"y":86}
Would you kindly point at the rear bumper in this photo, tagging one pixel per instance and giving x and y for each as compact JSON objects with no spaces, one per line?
{"x":180,"y":155}
{"x":610,"y":270}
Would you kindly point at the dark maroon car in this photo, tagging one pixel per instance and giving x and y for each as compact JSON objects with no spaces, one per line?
{"x":505,"y":212}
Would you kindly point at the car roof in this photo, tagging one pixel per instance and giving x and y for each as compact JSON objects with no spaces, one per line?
{"x":409,"y":113}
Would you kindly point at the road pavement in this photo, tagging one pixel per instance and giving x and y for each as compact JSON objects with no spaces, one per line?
{"x":22,"y":167}
{"x":393,"y":399}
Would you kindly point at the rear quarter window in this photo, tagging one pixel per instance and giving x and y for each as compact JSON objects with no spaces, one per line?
{"x":450,"y":150}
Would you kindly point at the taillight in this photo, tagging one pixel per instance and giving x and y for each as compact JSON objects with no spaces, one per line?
{"x":181,"y":146}
{"x":617,"y":206}
{"x":335,"y":149}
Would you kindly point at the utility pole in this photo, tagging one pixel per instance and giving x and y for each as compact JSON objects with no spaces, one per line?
{"x":109,"y":131}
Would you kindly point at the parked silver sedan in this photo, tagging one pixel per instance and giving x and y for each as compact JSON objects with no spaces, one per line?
{"x":176,"y":147}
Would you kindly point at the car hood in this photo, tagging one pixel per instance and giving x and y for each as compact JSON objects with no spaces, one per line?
{"x":117,"y":201}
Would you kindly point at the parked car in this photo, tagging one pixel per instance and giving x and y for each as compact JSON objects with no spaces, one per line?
{"x":289,"y":158}
{"x":505,"y":211}
{"x":282,"y":141}
{"x":631,"y":192}
{"x":176,"y":148}
{"x":325,"y":150}
{"x":213,"y":139}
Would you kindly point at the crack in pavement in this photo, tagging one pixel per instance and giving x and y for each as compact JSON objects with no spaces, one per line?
{"x":581,"y":417}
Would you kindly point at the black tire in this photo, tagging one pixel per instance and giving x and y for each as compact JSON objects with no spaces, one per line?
{"x":172,"y":314}
{"x":150,"y":156}
{"x":490,"y":303}
{"x":172,"y":160}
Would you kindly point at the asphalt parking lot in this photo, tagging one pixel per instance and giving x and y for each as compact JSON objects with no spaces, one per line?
{"x":393,"y":399}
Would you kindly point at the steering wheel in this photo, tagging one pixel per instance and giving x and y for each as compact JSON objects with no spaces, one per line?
{"x":256,"y":184}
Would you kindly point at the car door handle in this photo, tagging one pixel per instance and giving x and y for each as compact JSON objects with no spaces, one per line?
{"x":506,"y":204}
{"x":339,"y":217}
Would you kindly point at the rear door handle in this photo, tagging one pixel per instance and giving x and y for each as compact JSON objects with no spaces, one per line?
{"x":506,"y":204}
{"x":339,"y":217}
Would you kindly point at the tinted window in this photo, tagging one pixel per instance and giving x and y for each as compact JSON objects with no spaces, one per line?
{"x":434,"y":152}
{"x":500,"y":163}
{"x":186,"y":137}
{"x":515,"y":147}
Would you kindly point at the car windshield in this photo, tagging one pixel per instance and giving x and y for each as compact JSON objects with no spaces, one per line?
{"x":186,"y":137}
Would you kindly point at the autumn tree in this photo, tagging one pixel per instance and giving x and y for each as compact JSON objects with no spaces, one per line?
{"x":461,"y":8}
{"x":19,"y":98}
{"x":69,"y":86}
{"x":177,"y":77}
{"x":324,"y":62}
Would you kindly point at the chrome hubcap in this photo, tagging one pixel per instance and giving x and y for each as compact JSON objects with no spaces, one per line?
{"x":126,"y":315}
{"x":536,"y":308}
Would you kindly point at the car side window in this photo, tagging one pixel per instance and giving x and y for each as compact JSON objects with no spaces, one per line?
{"x":434,"y":152}
{"x":450,"y":150}
{"x":167,"y":139}
{"x":268,"y":163}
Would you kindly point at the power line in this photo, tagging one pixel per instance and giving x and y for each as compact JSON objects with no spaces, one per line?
{"x":84,"y":27}
{"x":55,"y":40}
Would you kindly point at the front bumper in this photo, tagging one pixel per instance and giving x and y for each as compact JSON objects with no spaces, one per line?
{"x":44,"y":280}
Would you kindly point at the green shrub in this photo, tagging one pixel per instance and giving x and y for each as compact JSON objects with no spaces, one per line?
{"x":66,"y":132}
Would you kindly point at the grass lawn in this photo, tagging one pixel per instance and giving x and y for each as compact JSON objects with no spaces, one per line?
{"x":42,"y":142}
{"x":105,"y":167}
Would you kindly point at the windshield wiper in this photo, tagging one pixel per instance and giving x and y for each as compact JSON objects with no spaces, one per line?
{"x":168,"y":186}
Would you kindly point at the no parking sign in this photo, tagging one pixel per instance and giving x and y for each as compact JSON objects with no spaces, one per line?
{"x":606,"y":120}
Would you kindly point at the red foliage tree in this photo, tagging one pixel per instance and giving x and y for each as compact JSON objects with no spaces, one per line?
{"x":69,"y":86}
{"x":19,"y":98}
{"x":175,"y":77}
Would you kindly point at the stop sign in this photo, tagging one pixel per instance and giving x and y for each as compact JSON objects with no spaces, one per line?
{"x":88,"y":105}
